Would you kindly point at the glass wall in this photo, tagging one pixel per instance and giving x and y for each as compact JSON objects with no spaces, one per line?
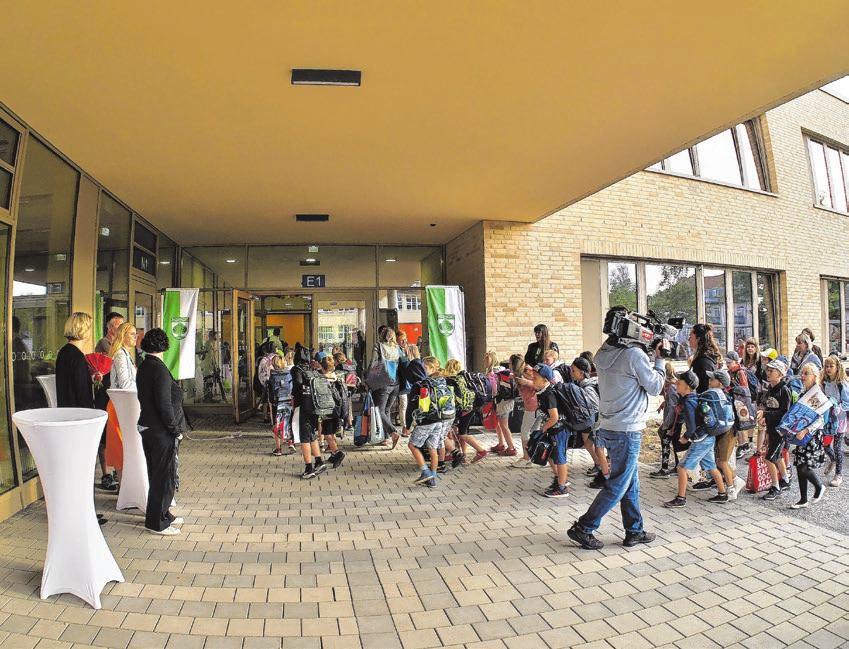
{"x":42,"y":274}
{"x":112,"y":281}
{"x":671,"y":293}
{"x":767,"y":311}
{"x":715,"y":307}
{"x":622,"y":284}
{"x":8,"y":472}
{"x":744,"y":309}
{"x":835,"y":330}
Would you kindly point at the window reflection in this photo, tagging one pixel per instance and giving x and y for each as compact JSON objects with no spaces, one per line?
{"x":767,"y":311}
{"x":715,"y":307}
{"x":744,"y":315}
{"x":622,"y":284}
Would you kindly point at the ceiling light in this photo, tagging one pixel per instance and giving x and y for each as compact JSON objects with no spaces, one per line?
{"x":310,"y":262}
{"x":312,"y":77}
{"x":230,"y":261}
{"x":312,"y":218}
{"x":165,"y":263}
{"x":29,"y":270}
{"x":104,"y":232}
{"x":391,"y":260}
{"x":287,"y":304}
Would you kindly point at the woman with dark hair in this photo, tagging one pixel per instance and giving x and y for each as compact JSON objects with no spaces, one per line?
{"x":533,"y":356}
{"x":707,"y":354}
{"x":161,"y":423}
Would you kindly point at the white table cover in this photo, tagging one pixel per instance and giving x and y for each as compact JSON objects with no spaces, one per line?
{"x":63,"y":442}
{"x":48,"y":384}
{"x":134,"y":482}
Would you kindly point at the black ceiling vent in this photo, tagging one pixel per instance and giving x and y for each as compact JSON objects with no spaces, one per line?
{"x":303,"y":77}
{"x":312,"y":218}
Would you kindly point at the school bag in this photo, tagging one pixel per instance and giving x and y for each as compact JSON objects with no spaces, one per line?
{"x":279,"y":387}
{"x":539,"y":447}
{"x":563,"y":371}
{"x":317,"y":398}
{"x":754,"y":384}
{"x":714,"y":412}
{"x":744,"y":409}
{"x":479,"y":384}
{"x":464,"y":397}
{"x":574,"y":407}
{"x":440,"y":405}
{"x":348,"y":374}
{"x":506,"y":386}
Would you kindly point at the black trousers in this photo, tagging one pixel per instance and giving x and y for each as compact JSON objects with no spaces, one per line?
{"x":383,"y":400}
{"x":160,"y":454}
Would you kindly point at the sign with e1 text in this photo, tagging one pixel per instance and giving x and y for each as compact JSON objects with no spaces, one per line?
{"x":312,"y":281}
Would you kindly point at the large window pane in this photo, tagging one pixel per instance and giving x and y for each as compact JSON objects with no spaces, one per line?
{"x":767,"y":310}
{"x":835,"y":175}
{"x":744,"y":309}
{"x":8,"y":475}
{"x":680,"y":163}
{"x":718,"y":159}
{"x":166,"y":269}
{"x":715,"y":314}
{"x":822,"y":195}
{"x":835,"y":344}
{"x":5,"y":189}
{"x":273,"y":267}
{"x":9,"y":138}
{"x":228,"y":262}
{"x":42,"y":273}
{"x":751,"y":169}
{"x":402,"y":309}
{"x":622,"y":284}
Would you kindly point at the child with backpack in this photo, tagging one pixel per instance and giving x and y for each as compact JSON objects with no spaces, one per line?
{"x":424,"y":417}
{"x":580,"y":375}
{"x":701,"y":451}
{"x":530,"y":417}
{"x":279,"y":387}
{"x":725,"y":443}
{"x":777,"y":399}
{"x":504,"y":398}
{"x":739,"y":376}
{"x":331,"y":424}
{"x":312,"y":398}
{"x":561,"y":370}
{"x":554,"y":426}
{"x":670,"y":426}
{"x":834,"y":384}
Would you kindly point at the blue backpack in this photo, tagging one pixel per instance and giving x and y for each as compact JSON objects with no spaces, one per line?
{"x":754,"y":384}
{"x":714,"y":412}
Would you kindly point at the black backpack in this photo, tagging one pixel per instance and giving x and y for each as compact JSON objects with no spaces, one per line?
{"x":574,"y":407}
{"x":465,"y":397}
{"x":506,"y":386}
{"x":479,"y":384}
{"x":442,"y":406}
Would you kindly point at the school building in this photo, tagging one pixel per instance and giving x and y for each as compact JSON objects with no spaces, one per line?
{"x":313,"y":166}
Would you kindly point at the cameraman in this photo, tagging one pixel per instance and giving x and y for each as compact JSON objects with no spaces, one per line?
{"x":626,"y":379}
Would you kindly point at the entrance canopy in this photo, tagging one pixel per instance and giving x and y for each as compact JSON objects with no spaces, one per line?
{"x":467,"y":109}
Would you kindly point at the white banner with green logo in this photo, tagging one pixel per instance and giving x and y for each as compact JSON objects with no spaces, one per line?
{"x":179,"y":320}
{"x":446,"y":323}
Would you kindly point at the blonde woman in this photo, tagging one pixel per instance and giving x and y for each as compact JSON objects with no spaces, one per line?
{"x":122,"y":376}
{"x":834,"y":384}
{"x":384,"y":398}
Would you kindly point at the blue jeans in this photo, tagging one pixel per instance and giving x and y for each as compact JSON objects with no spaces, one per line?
{"x":623,"y":485}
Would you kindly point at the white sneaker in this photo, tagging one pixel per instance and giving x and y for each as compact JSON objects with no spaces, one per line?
{"x":816,"y":498}
{"x":838,"y":480}
{"x":168,"y":531}
{"x":732,"y":493}
{"x":521,"y":463}
{"x":739,"y":483}
{"x":177,"y":521}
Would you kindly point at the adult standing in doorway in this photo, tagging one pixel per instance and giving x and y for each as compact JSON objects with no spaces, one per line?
{"x":626,"y":378}
{"x":113,"y":321}
{"x":384,"y":398}
{"x":533,"y":356}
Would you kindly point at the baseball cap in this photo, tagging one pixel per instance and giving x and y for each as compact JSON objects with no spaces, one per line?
{"x":721,"y":376}
{"x":770,"y":353}
{"x":689,"y":377}
{"x":544,"y":371}
{"x":778,"y":365}
{"x":582,"y":364}
{"x":732,"y":356}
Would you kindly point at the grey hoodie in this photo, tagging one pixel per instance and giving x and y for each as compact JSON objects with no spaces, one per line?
{"x":626,"y":378}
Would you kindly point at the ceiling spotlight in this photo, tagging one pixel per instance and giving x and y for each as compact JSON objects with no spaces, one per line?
{"x":165,"y":263}
{"x":391,"y":260}
{"x":230,"y":261}
{"x":29,"y":270}
{"x":308,"y":77}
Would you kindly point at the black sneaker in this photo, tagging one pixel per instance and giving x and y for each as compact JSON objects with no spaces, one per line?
{"x":442,"y":468}
{"x":557,"y":492}
{"x":773,"y":493}
{"x":457,"y":458}
{"x":598,"y":482}
{"x":108,"y":483}
{"x":676,"y":503}
{"x":742,"y":450}
{"x":308,"y":474}
{"x":719,"y":498}
{"x":704,"y":484}
{"x":336,"y":459}
{"x":661,"y":473}
{"x":586,"y":541}
{"x":320,"y":466}
{"x":635,"y":538}
{"x":784,"y":485}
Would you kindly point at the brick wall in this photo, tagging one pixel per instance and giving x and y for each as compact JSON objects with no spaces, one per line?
{"x":517,"y":275}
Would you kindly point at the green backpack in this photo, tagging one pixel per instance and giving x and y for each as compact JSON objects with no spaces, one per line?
{"x":465,"y":396}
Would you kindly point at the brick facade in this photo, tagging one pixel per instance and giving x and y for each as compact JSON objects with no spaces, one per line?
{"x":517,"y":275}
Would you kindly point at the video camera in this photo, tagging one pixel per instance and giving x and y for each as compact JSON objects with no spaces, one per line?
{"x":633,"y":329}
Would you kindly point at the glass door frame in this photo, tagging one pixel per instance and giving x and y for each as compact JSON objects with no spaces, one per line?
{"x":369,"y":296}
{"x":240,"y":297}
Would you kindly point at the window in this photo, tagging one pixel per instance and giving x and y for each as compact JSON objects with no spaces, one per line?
{"x":325,"y":333}
{"x":830,"y":173}
{"x":732,"y":157}
{"x":413,"y":303}
{"x":837,"y":306}
{"x":839,"y":88}
{"x":673,"y":290}
{"x":399,"y":301}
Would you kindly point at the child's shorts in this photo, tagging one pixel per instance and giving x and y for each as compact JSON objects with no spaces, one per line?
{"x":504,"y":408}
{"x":447,"y":425}
{"x":559,"y":444}
{"x":700,"y":454}
{"x":304,"y":427}
{"x":427,"y":436}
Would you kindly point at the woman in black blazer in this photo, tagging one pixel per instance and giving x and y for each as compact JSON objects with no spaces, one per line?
{"x":161,"y":423}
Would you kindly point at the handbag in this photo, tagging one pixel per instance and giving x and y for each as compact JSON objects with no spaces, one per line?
{"x":490,"y":419}
{"x":377,"y":376}
{"x":361,"y":427}
{"x":758,"y":479}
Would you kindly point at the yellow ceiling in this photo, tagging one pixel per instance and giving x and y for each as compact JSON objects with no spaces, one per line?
{"x":468,"y":110}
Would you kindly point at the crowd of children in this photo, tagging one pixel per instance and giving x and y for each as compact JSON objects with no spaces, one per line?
{"x":718,"y":409}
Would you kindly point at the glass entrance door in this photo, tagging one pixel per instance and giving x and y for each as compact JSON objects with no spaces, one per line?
{"x":343,"y":320}
{"x":243,"y":371}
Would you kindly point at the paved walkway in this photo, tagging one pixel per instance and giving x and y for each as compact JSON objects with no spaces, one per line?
{"x":360,"y":558}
